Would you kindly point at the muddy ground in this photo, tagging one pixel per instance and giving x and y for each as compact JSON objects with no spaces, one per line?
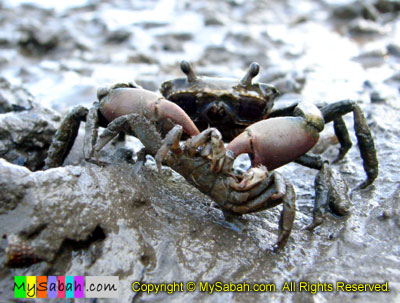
{"x":81,"y":219}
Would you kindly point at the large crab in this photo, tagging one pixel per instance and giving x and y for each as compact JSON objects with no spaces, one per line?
{"x":232,"y":107}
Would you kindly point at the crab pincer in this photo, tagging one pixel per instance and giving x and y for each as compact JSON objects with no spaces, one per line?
{"x":278,"y":141}
{"x":251,"y":178}
{"x":122,"y":101}
{"x":235,"y":193}
{"x":170,"y":143}
{"x":120,"y":108}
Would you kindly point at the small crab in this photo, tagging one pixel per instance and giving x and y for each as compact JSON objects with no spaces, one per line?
{"x":243,"y":111}
{"x":202,"y":161}
{"x":239,"y":109}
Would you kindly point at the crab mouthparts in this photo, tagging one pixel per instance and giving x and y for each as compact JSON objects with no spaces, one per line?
{"x":215,"y":112}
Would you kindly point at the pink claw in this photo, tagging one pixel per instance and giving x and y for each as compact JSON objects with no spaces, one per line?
{"x":169,"y":110}
{"x":123,"y":101}
{"x":276,"y":141}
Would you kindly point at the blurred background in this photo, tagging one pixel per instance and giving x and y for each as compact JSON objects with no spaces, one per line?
{"x":61,"y":51}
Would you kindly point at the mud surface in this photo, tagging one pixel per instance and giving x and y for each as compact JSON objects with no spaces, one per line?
{"x":26,"y":127}
{"x":81,"y":219}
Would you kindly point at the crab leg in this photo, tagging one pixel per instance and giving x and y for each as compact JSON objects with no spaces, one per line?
{"x":311,"y":161}
{"x":91,"y":131}
{"x":330,"y":194}
{"x":343,"y":136}
{"x":65,"y":137}
{"x":132,"y":123}
{"x":287,"y":216}
{"x":366,"y":144}
{"x":210,"y":140}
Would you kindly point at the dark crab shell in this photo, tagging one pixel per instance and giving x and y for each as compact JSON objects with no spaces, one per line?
{"x":225,"y":103}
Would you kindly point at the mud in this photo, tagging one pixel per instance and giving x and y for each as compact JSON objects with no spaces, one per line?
{"x":26,"y":127}
{"x":81,"y":219}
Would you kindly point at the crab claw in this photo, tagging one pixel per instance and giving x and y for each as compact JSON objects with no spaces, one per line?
{"x":122,"y":101}
{"x":251,"y":178}
{"x":170,"y":143}
{"x":218,"y":152}
{"x":212,"y":145}
{"x":277,"y":141}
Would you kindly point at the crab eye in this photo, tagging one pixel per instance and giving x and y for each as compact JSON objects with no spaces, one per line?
{"x":187,"y":102}
{"x":251,"y":109}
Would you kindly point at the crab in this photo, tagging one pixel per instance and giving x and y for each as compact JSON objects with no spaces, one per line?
{"x":238,"y":109}
{"x":243,"y":111}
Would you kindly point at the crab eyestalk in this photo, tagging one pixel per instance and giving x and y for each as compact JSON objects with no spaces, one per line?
{"x":253,"y":71}
{"x":188,"y":71}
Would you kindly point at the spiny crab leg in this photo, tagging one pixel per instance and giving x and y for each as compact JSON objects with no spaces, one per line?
{"x":330,"y":196}
{"x":334,"y":112}
{"x":65,"y":134}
